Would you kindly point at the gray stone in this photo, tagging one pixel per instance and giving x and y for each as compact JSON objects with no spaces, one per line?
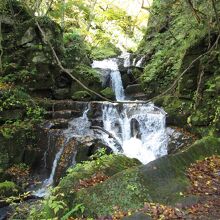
{"x":133,"y":89}
{"x":61,"y":93}
{"x":28,"y":36}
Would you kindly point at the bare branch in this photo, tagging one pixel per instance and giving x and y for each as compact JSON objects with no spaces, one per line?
{"x":67,"y":72}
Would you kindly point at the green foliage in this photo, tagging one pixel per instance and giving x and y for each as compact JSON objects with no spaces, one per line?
{"x":108,"y":93}
{"x":7,"y":189}
{"x":78,"y":208}
{"x":169,"y":45}
{"x":86,"y":72}
{"x":76,"y":50}
{"x":101,"y":152}
{"x":65,"y":191}
{"x":103,"y":52}
{"x":22,"y":76}
{"x":80,"y":95}
{"x":26,"y":112}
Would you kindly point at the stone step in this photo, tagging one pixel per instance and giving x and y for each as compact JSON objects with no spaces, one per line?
{"x":65,"y":114}
{"x":59,"y":105}
{"x":70,"y":105}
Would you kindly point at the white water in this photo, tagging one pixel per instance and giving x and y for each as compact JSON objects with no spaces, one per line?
{"x":139,"y":63}
{"x":78,"y":127}
{"x":43,"y":191}
{"x":115,"y":75}
{"x":139,"y":128}
{"x":127,"y":59}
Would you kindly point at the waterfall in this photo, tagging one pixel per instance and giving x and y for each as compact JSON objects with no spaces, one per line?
{"x":115,"y":75}
{"x":140,"y":128}
{"x":140,"y":62}
{"x":136,"y":129}
{"x":78,"y":127}
{"x":43,"y":191}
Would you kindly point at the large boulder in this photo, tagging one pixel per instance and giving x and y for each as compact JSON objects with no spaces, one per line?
{"x":163,"y":181}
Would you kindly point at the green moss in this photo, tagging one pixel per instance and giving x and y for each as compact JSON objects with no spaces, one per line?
{"x":178,"y":110}
{"x":162,"y":180}
{"x":108,"y":165}
{"x":108,"y":93}
{"x":81,"y":95}
{"x":86,"y":73}
{"x":7,"y":189}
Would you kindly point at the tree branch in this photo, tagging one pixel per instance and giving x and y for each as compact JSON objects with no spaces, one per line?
{"x":108,"y":133}
{"x":67,"y":72}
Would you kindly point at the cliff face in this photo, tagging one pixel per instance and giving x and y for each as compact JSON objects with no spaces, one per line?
{"x":179,"y":33}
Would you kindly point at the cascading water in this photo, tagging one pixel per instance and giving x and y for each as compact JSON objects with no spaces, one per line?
{"x":78,"y":127}
{"x":138,"y":127}
{"x":115,"y":75}
{"x":43,"y":191}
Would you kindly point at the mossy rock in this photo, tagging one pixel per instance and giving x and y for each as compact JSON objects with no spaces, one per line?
{"x":108,"y":93}
{"x":108,"y":165}
{"x":178,"y":110}
{"x":81,"y":95}
{"x":161,"y":181}
{"x":8,"y":188}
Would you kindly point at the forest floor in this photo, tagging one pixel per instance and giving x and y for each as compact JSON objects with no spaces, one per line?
{"x":204,"y":176}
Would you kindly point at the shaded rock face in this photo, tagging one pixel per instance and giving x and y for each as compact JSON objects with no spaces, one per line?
{"x":23,"y":147}
{"x":27,"y":59}
{"x":178,"y":140}
{"x":193,"y":101}
{"x":29,"y":62}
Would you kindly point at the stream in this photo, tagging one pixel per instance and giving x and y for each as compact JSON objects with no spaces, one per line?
{"x":138,"y":129}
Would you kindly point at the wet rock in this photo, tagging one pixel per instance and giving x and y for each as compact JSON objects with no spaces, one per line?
{"x":5,"y":212}
{"x":61,"y":93}
{"x":67,"y":159}
{"x":133,"y":89}
{"x":13,"y":114}
{"x":59,"y":123}
{"x":65,"y":114}
{"x":178,"y":140}
{"x":135,"y":128}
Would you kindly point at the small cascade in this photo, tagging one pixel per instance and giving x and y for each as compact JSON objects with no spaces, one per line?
{"x":43,"y":191}
{"x":127,"y":59}
{"x":115,"y":75}
{"x":139,"y":128}
{"x":135,"y":129}
{"x":140,"y":62}
{"x":78,"y":127}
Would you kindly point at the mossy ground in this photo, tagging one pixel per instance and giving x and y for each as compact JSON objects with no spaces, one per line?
{"x":161,"y":181}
